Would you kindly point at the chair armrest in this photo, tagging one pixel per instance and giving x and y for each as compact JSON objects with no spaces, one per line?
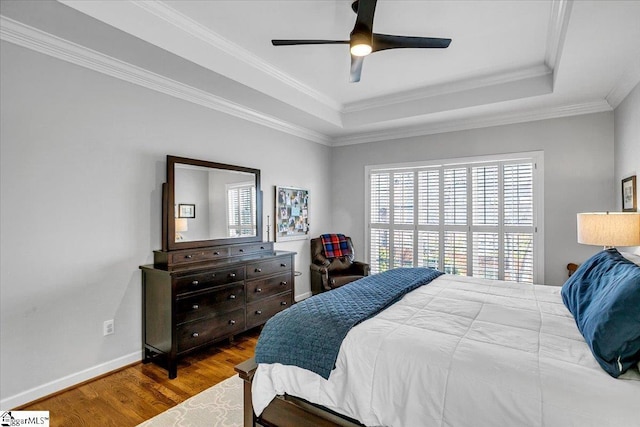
{"x":361,"y":267}
{"x":318,"y":268}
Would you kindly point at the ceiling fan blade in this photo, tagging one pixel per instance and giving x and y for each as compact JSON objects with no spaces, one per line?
{"x":356,"y":68}
{"x":366,"y":10}
{"x":386,"y":41}
{"x":298,"y":42}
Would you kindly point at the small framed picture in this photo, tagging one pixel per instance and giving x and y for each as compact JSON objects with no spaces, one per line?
{"x":629,"y":199}
{"x":186,"y":211}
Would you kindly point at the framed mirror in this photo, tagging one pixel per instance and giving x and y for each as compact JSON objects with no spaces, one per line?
{"x":209,"y":204}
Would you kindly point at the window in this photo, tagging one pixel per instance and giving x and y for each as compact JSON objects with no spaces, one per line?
{"x":241,"y":202}
{"x":473,"y":217}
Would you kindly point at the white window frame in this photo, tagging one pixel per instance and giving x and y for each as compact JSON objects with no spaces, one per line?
{"x":229,"y":187}
{"x":537,"y":157}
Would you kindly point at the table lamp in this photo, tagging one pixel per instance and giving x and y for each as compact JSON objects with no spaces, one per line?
{"x":609,"y":229}
{"x":181,"y":225}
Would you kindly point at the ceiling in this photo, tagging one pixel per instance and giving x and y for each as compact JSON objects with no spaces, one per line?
{"x":509,"y":61}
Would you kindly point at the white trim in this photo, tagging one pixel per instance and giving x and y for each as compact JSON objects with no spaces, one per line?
{"x":70,"y":380}
{"x":557,"y":31}
{"x":23,"y":35}
{"x":448,"y":88}
{"x":302,"y":296}
{"x":625,"y":83}
{"x":588,"y":107}
{"x":188,"y":25}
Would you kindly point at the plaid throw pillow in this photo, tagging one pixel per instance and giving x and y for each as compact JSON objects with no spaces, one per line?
{"x":335,"y":245}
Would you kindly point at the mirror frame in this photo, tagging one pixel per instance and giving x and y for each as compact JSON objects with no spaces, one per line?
{"x":168,"y":206}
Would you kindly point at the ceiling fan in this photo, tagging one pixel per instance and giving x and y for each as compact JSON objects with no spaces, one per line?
{"x":364,"y":41}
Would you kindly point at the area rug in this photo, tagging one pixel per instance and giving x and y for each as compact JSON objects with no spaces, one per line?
{"x":218,"y":406}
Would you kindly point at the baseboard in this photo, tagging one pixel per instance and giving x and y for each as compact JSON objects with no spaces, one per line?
{"x":300,"y":297}
{"x":69,"y":381}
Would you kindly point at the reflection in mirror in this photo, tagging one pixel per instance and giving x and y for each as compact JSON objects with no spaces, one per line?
{"x":213,"y":203}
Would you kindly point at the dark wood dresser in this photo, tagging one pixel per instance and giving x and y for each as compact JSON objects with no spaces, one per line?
{"x":195,"y":297}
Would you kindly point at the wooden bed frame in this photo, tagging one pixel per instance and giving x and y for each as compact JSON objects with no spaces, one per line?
{"x":286,"y":411}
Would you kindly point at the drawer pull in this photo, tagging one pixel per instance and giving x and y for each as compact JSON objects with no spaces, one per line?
{"x":258,"y":312}
{"x":258,"y":270}
{"x":195,"y":335}
{"x":283,"y":283}
{"x":188,"y":256}
{"x":283,"y":303}
{"x":283,"y":265}
{"x":232,"y":275}
{"x":195,"y":283}
{"x":232,"y":296}
{"x":216,"y":253}
{"x":241,"y":250}
{"x":232,"y":322}
{"x":261,"y":247}
{"x":195,"y":306}
{"x":258,"y":289}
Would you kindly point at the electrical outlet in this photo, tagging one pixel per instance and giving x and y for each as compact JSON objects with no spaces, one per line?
{"x":107,"y":327}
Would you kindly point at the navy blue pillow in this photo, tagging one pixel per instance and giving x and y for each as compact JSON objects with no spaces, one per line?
{"x":604,"y":297}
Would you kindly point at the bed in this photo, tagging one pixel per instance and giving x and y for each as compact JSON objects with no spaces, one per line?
{"x":462,"y":351}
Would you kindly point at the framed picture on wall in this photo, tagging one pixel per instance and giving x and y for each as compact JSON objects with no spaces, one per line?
{"x":292,"y":213}
{"x":629,"y":199}
{"x":186,"y":211}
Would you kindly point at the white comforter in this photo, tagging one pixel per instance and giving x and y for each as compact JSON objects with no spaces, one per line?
{"x":465,"y":352}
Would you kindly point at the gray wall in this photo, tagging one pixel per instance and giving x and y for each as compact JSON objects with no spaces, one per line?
{"x":578,"y":174}
{"x":627,"y":144}
{"x":82,"y":162}
{"x":627,"y":147}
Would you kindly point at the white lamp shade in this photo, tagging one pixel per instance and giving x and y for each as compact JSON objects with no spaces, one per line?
{"x":609,"y":228}
{"x":181,"y":225}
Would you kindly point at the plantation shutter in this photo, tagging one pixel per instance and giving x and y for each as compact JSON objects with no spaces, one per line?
{"x":241,"y":200}
{"x":518,"y":222}
{"x":472,"y":219}
{"x":380,"y":195}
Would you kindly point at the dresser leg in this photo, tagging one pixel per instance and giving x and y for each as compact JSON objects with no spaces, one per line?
{"x":172,"y":367}
{"x":147,"y":356}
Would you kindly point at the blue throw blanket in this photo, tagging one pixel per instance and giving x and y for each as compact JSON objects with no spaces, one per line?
{"x":309,"y":334}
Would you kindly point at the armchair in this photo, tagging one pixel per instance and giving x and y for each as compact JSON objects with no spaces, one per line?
{"x":329,"y":273}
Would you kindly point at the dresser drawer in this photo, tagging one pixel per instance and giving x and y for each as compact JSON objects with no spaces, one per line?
{"x":250,"y":249}
{"x":260,"y":311}
{"x":208,"y":279}
{"x":194,"y":334}
{"x":220,"y":299}
{"x":266,"y":268}
{"x":263,"y":288}
{"x":196,"y":255}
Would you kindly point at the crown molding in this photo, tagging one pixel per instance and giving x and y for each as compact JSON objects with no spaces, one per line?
{"x":589,"y":107}
{"x":448,"y":88}
{"x":558,"y":23}
{"x":31,"y":38}
{"x":625,"y":83}
{"x":23,"y":35}
{"x":195,"y":29}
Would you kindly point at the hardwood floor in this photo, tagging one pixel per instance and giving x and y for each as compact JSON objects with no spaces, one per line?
{"x":139,"y":392}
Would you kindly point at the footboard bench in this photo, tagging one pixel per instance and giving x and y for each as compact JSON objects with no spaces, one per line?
{"x":286,"y":411}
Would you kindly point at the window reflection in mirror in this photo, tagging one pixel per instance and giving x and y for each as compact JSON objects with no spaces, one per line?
{"x":225,"y":203}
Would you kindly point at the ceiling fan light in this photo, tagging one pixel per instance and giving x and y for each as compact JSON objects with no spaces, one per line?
{"x":361,"y":49}
{"x":360,"y":42}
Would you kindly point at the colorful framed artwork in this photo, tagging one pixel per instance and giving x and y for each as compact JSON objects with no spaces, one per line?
{"x":291,"y":213}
